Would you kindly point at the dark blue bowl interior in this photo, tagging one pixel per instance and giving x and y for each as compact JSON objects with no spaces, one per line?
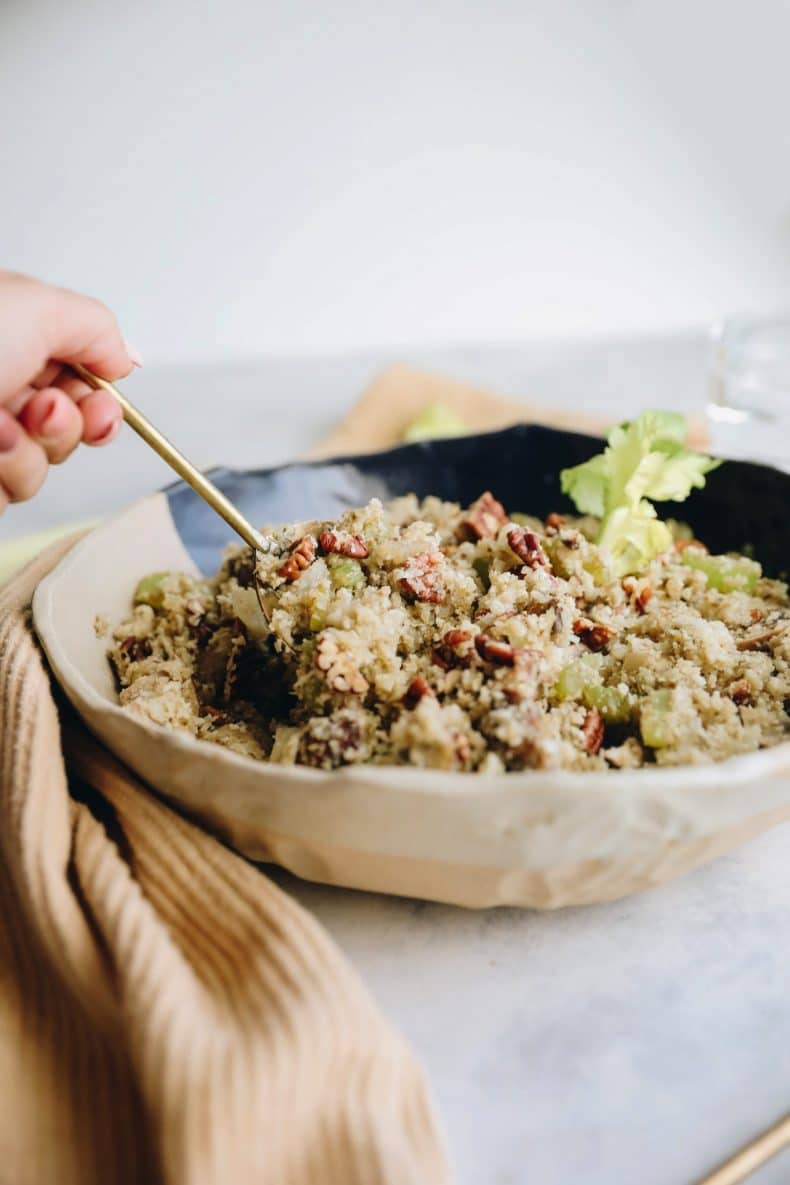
{"x":742,"y":505}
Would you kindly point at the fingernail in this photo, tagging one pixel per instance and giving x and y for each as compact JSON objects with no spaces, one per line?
{"x":135,"y":357}
{"x":47,"y":425}
{"x":10,"y":431}
{"x":109,"y":433}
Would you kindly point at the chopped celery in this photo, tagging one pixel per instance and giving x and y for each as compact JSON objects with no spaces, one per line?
{"x":597,"y":568}
{"x":613,"y":704}
{"x":581,"y":679}
{"x":654,"y":722}
{"x":434,"y":421}
{"x":150,"y":591}
{"x":579,"y":674}
{"x":726,"y":573}
{"x":319,"y":606}
{"x":345,"y":572}
{"x":480,"y":565}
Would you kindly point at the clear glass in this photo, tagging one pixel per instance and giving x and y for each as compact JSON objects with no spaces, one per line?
{"x":749,"y":389}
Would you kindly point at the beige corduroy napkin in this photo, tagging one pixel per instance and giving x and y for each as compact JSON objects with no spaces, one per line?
{"x":167,"y":1014}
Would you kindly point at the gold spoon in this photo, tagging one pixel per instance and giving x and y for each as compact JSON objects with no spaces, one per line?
{"x":176,"y":460}
{"x":752,"y":1156}
{"x":185,"y":469}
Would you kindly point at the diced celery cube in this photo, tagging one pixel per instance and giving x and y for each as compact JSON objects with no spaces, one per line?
{"x":726,"y":573}
{"x":655,"y":718}
{"x":613,"y":704}
{"x":598,"y":568}
{"x":481,"y":566}
{"x":573,"y":679}
{"x":346,"y":572}
{"x":150,"y":591}
{"x":319,"y":606}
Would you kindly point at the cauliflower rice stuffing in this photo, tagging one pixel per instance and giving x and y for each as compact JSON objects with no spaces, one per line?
{"x":462,"y":639}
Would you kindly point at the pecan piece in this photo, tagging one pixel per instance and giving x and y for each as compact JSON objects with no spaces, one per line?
{"x":740,"y":692}
{"x":639,"y":594}
{"x":454,"y":650}
{"x":338,"y":666}
{"x":136,"y":649}
{"x":680,"y":545}
{"x":527,"y":547}
{"x":341,"y":543}
{"x":301,"y":557}
{"x":643,"y":598}
{"x":484,"y":519}
{"x":592,"y":731}
{"x":422,"y":577}
{"x":594,"y":635}
{"x":418,"y":689}
{"x":490,"y":650}
{"x":554,"y":522}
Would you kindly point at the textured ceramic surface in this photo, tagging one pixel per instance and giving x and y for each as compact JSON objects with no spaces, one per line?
{"x":541,"y":839}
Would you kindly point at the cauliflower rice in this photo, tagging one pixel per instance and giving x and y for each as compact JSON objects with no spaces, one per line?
{"x":462,"y":639}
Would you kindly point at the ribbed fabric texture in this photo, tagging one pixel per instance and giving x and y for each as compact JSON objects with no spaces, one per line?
{"x":167,"y":1014}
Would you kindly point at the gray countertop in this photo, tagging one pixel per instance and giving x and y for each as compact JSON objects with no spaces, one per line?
{"x":636,"y":1042}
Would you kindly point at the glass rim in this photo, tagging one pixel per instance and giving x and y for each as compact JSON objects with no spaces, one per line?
{"x":745,"y":322}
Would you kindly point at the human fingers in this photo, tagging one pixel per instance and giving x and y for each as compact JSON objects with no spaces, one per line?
{"x":101,"y":418}
{"x":54,"y":421}
{"x":23,"y":463}
{"x":40,"y":323}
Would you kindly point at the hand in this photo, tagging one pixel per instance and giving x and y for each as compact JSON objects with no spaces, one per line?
{"x":45,"y":411}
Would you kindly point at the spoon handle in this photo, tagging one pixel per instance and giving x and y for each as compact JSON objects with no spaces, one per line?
{"x":752,"y":1156}
{"x":176,"y":460}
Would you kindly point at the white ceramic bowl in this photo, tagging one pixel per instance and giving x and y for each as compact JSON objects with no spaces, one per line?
{"x":540,"y":839}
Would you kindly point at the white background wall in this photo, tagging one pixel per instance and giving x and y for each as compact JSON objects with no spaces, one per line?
{"x":241,"y":176}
